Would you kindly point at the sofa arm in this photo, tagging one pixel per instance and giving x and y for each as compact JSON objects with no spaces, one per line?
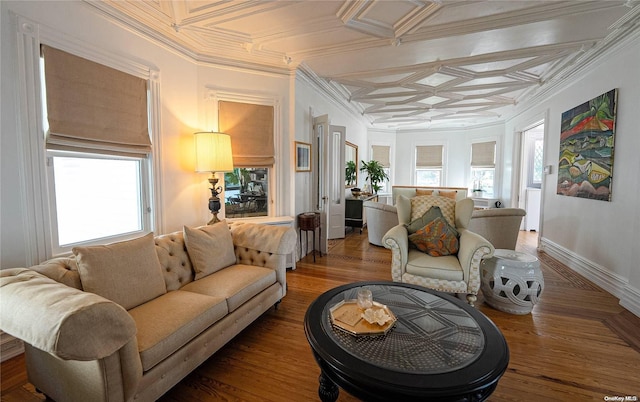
{"x":264,"y":238}
{"x":397,"y":240}
{"x":473,"y":248}
{"x":66,"y":322}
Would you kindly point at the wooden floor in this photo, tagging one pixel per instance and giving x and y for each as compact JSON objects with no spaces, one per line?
{"x":578,"y":343}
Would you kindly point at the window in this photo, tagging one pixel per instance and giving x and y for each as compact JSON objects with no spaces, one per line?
{"x":246,"y":192}
{"x":107,"y":192}
{"x":483,"y":167}
{"x":534,"y":178}
{"x":381,"y":154}
{"x":251,"y":127}
{"x":98,"y":151}
{"x":429,"y":165}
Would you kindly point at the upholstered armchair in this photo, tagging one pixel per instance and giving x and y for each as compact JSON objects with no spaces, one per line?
{"x":457,"y":273}
{"x":380,"y":218}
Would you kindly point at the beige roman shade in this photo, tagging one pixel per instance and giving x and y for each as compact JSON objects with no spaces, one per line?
{"x":380,"y":153}
{"x":483,"y":154}
{"x":429,"y":156}
{"x":94,"y":108}
{"x":251,"y":129}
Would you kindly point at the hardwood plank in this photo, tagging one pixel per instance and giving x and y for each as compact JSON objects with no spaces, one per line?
{"x":577,"y":344}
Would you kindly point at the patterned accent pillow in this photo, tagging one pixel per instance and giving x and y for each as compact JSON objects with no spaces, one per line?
{"x":421,"y":204}
{"x":417,"y":224}
{"x":437,"y":239}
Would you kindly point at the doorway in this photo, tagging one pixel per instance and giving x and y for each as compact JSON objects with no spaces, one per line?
{"x":532,"y":161}
{"x":329,"y":178}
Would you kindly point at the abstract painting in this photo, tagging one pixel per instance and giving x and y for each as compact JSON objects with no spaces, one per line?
{"x":585,"y":168}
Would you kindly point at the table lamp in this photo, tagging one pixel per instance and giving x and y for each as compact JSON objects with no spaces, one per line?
{"x":213,"y":154}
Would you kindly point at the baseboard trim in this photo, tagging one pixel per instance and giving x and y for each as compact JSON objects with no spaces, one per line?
{"x":631,"y":300}
{"x":601,"y":276}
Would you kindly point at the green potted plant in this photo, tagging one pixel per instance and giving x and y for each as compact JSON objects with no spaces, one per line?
{"x":375,"y":174}
{"x":350,"y":173}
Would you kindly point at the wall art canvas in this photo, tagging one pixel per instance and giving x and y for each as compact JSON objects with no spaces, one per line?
{"x":585,"y":167}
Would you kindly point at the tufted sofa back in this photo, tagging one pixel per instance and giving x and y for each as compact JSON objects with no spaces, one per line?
{"x":172,"y":253}
{"x":174,"y":260}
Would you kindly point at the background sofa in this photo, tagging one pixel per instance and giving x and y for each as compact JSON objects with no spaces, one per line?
{"x":500,"y":226}
{"x":128,"y":321}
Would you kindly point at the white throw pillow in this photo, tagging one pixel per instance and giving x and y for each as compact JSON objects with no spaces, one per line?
{"x":128,"y":272}
{"x":210,"y":248}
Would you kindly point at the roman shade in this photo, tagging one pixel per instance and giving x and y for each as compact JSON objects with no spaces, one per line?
{"x":94,"y":108}
{"x":251,"y":129}
{"x":483,"y":154}
{"x":380,"y":153}
{"x":429,"y":156}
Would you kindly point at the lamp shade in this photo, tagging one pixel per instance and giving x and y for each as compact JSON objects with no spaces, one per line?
{"x":213,"y":152}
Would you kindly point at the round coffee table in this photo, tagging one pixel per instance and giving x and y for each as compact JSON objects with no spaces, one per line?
{"x":440,"y":349}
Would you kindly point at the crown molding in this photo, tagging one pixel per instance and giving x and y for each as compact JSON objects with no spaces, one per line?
{"x":330,"y":93}
{"x":183,"y":50}
{"x":595,"y":57}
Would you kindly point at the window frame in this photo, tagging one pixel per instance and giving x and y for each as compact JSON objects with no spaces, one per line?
{"x":32,"y":164}
{"x":143,"y":176}
{"x":494,"y":167}
{"x":277,"y":192}
{"x":441,"y":169}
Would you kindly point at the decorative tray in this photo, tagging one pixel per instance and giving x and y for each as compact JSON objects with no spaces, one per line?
{"x":348,"y":317}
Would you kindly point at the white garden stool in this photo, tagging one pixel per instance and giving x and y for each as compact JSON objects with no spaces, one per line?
{"x":511,"y":281}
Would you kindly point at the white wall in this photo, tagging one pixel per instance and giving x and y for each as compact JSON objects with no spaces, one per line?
{"x":599,"y":239}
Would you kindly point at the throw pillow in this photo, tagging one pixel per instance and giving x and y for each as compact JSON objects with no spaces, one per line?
{"x":417,"y":224}
{"x":437,"y":238}
{"x":210,"y":248}
{"x":423,"y":192}
{"x":449,"y":194}
{"x":421,"y":204}
{"x":127,"y":273}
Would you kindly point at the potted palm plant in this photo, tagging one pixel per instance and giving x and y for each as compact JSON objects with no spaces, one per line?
{"x":350,"y":173}
{"x":374,"y":173}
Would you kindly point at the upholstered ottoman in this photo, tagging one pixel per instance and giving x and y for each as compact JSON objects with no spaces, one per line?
{"x":511,"y":281}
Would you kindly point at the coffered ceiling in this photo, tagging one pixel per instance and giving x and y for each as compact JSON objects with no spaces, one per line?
{"x":398,"y":63}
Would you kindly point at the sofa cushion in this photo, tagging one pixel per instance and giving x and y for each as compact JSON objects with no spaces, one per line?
{"x":210,"y":248}
{"x":237,"y":283}
{"x":167,"y":323}
{"x":445,"y":268}
{"x":127,"y":272}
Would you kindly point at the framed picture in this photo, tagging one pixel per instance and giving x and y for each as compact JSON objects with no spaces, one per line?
{"x":303,"y":157}
{"x":585,"y":166}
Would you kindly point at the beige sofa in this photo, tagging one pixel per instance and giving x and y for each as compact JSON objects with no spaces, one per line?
{"x":128,"y":321}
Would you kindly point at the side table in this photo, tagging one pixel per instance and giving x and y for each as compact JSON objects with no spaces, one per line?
{"x":309,"y":222}
{"x":511,"y":281}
